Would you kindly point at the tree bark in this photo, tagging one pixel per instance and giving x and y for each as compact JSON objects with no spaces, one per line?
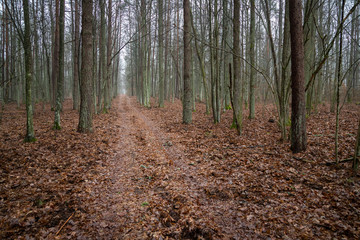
{"x":143,"y":56}
{"x":309,"y":45}
{"x":284,"y":92}
{"x":7,"y":59}
{"x":102,"y":60}
{"x":338,"y":84}
{"x":237,"y":94}
{"x":202,"y":67}
{"x":298,"y":120}
{"x":46,"y":52}
{"x":60,"y":78}
{"x":76,"y":58}
{"x":86,"y":87}
{"x":55,"y":55}
{"x":187,"y":100}
{"x":108,"y":91}
{"x":96,"y":70}
{"x":30,"y":136}
{"x":160,"y":53}
{"x":252,"y":60}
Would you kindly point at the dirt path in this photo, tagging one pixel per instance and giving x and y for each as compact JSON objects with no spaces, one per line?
{"x":151,"y":191}
{"x":122,"y":205}
{"x":164,"y":180}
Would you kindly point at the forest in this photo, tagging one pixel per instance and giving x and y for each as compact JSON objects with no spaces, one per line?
{"x":169,"y":119}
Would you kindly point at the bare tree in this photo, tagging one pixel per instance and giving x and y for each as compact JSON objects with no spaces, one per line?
{"x":76,"y":57}
{"x":237,"y":91}
{"x":55,"y":54}
{"x":107,"y":102}
{"x":187,"y":101}
{"x":160,"y":53}
{"x":60,"y":73}
{"x":298,"y":120}
{"x":30,"y":136}
{"x":86,"y":86}
{"x":252,"y":60}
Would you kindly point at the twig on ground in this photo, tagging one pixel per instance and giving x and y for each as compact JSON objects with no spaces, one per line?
{"x":65,"y":223}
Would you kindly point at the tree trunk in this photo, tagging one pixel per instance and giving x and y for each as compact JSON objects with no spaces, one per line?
{"x":338,"y":85}
{"x":107,"y":103}
{"x":176,"y":87}
{"x":237,"y":94}
{"x":283,"y":93}
{"x":214,"y":61}
{"x":252,"y":60}
{"x":356,"y":82}
{"x":7,"y":59}
{"x":148,"y":55}
{"x":37,"y":83}
{"x":143,"y":56}
{"x":160,"y":53}
{"x":167,"y":30}
{"x":96,"y":73}
{"x":2,"y":60}
{"x":217,"y":66}
{"x":298,"y":120}
{"x":86,"y":87}
{"x":102,"y":60}
{"x":309,"y":46}
{"x":321,"y":47}
{"x":30,"y":136}
{"x":46,"y":52}
{"x":187,"y":106}
{"x":202,"y":67}
{"x":55,"y":56}
{"x":353,"y":57}
{"x":226,"y":58}
{"x":76,"y":58}
{"x":60,"y":78}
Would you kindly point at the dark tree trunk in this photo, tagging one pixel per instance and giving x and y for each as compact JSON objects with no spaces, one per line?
{"x":102,"y":60}
{"x":160,"y":53}
{"x":252,"y":61}
{"x":76,"y":58}
{"x":108,"y":95}
{"x":86,"y":85}
{"x":237,"y":95}
{"x":7,"y":59}
{"x":60,"y":78}
{"x":187,"y":101}
{"x":55,"y":55}
{"x":30,"y":136}
{"x":298,"y":120}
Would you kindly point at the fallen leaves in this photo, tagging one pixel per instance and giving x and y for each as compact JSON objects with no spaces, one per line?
{"x":145,"y":175}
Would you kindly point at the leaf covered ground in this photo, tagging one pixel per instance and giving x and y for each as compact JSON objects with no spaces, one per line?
{"x":144,"y":175}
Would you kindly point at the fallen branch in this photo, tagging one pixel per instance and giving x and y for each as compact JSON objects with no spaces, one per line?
{"x":341,"y":161}
{"x":65,"y":223}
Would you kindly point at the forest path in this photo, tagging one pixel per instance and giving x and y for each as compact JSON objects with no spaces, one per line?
{"x":144,"y":166}
{"x":143,"y":186}
{"x":176,"y":181}
{"x":153,"y":190}
{"x":159,"y":185}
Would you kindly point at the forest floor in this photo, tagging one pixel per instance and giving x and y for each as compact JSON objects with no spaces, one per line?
{"x":143,"y":174}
